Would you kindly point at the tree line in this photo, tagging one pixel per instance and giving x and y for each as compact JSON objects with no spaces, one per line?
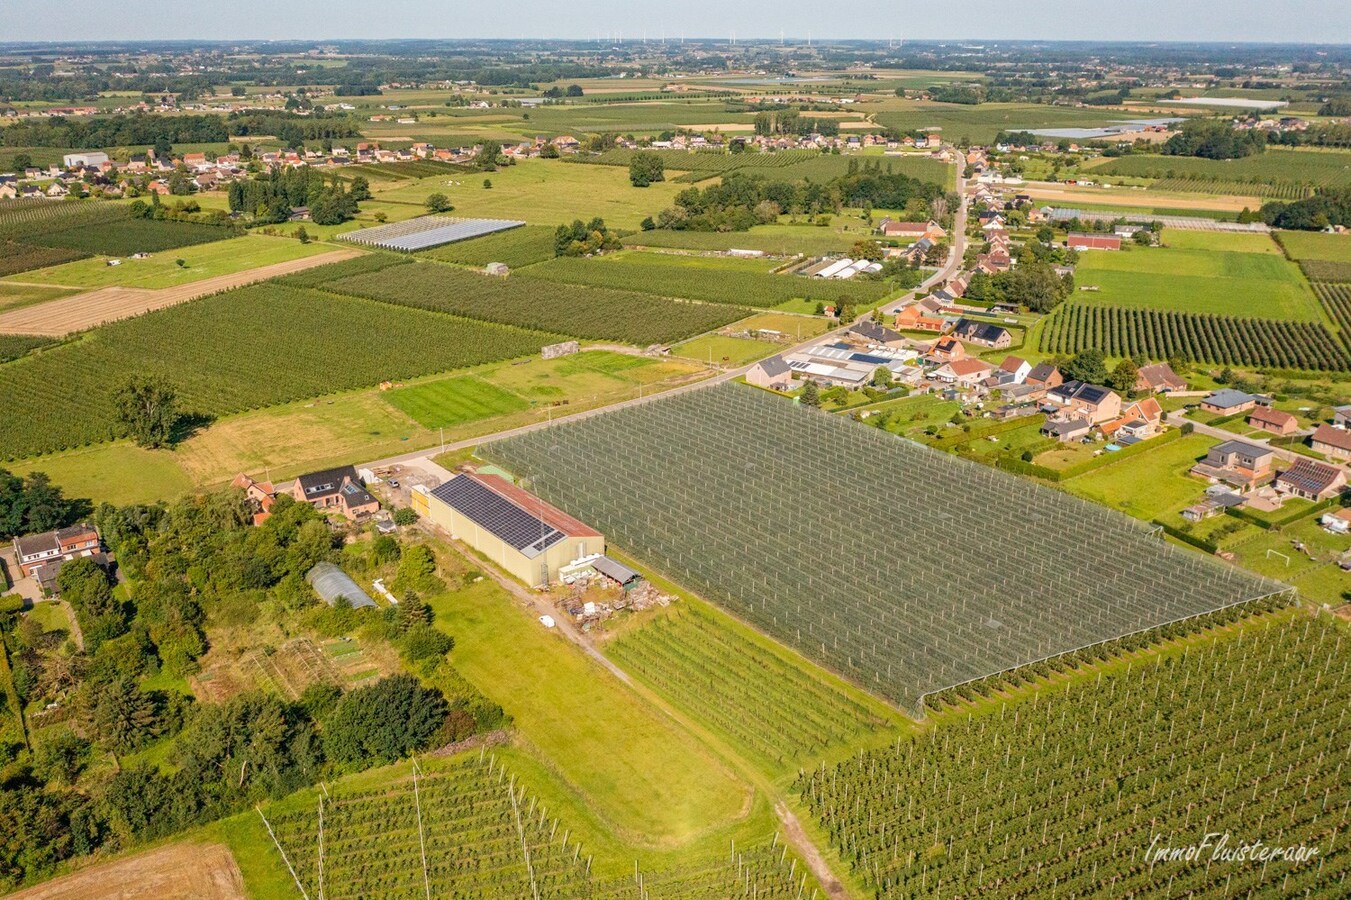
{"x":187,"y":567}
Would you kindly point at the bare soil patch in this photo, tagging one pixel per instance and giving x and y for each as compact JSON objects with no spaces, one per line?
{"x":176,"y":872}
{"x":57,"y":318}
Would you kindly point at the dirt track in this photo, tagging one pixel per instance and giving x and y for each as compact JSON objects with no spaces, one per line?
{"x":175,"y":872}
{"x":57,"y":318}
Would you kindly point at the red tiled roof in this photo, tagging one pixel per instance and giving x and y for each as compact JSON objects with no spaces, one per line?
{"x":527,"y":501}
{"x":1333,"y":437}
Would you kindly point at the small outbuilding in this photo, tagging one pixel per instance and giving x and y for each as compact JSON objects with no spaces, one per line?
{"x":330,"y":583}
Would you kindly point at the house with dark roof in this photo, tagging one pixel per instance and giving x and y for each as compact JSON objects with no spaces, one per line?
{"x":33,"y":552}
{"x":1236,"y":463}
{"x":336,"y":490}
{"x":1077,"y":398}
{"x":1066,"y":430}
{"x":1227,"y":402}
{"x":1311,"y":480}
{"x":875,"y":334}
{"x":527,"y":537}
{"x":772,"y":373}
{"x":1334,"y":443}
{"x":1046,"y":375}
{"x":982,"y":333}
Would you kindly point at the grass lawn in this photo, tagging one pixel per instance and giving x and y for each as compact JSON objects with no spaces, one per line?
{"x":284,"y":441}
{"x":910,"y":416}
{"x":1009,"y":441}
{"x":1314,"y":572}
{"x":1315,"y":245}
{"x":119,"y":473}
{"x":1224,"y":282}
{"x":797,"y":327}
{"x":161,"y":270}
{"x":1150,"y":484}
{"x":782,"y":240}
{"x":647,"y":778}
{"x":728,"y":351}
{"x":454,"y":401}
{"x":544,"y":192}
{"x":14,"y":296}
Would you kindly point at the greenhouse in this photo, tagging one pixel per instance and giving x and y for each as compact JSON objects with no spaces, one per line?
{"x":330,"y":583}
{"x":755,"y":503}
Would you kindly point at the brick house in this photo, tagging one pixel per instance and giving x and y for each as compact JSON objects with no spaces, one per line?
{"x":1334,"y":443}
{"x":1236,"y":463}
{"x":338,"y":490}
{"x":36,"y":551}
{"x":1311,"y":479}
{"x":1273,"y":421}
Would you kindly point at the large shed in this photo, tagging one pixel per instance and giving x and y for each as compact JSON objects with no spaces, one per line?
{"x":330,"y":583}
{"x":515,"y":529}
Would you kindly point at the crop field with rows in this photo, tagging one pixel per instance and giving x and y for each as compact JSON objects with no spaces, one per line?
{"x":357,"y":265}
{"x":17,"y":257}
{"x":1336,"y":299}
{"x":1194,"y":337}
{"x":776,"y":712}
{"x":12,"y":346}
{"x":471,"y":829}
{"x":482,"y":836}
{"x":1064,"y":793}
{"x":515,"y":248}
{"x":709,"y":488}
{"x":1291,"y":171}
{"x":296,"y":356}
{"x":784,"y":240}
{"x":88,"y":227}
{"x":582,"y":312}
{"x":1325,"y":269}
{"x":1240,"y":188}
{"x":701,"y":282}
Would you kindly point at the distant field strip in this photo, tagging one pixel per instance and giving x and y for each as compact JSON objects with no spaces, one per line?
{"x":768,"y":239}
{"x":1279,"y":173}
{"x":56,"y":318}
{"x":724,"y":490}
{"x":244,"y":349}
{"x":784,"y":165}
{"x":1118,"y":331}
{"x":712,"y":285}
{"x":596,"y":313}
{"x":773,"y":710}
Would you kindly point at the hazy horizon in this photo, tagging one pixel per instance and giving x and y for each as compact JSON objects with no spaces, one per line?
{"x":1206,"y":21}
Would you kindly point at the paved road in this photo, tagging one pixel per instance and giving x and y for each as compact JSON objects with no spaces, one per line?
{"x":955,"y":256}
{"x":1178,"y":420}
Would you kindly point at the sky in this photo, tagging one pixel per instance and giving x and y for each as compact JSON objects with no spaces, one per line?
{"x":1314,"y":21}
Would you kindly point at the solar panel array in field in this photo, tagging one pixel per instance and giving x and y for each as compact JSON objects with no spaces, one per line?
{"x":427,"y":231}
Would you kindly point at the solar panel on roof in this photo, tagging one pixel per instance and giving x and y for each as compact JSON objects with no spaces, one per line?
{"x":522,"y":530}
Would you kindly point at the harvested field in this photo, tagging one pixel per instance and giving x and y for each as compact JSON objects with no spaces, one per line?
{"x":176,"y":872}
{"x":92,"y":308}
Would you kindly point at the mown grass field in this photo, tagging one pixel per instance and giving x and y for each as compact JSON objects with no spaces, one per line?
{"x":161,"y":270}
{"x":13,"y":296}
{"x":1304,"y":245}
{"x":1150,"y":484}
{"x":1193,"y":274}
{"x":543,"y":192}
{"x":289,"y":439}
{"x":454,"y":401}
{"x":641,"y":773}
{"x":719,"y":349}
{"x":714,"y":280}
{"x":782,"y":240}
